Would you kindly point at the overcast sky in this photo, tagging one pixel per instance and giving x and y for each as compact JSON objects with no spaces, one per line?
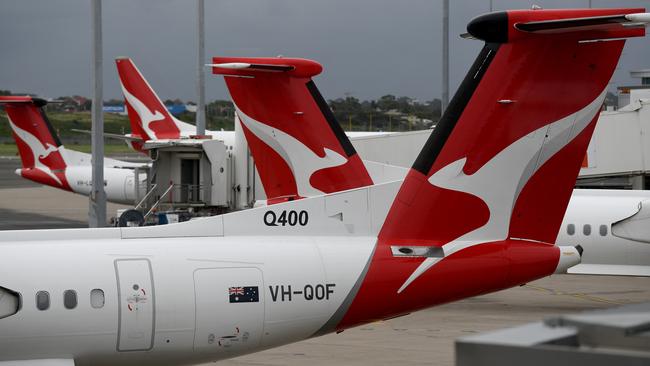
{"x":369,"y":48}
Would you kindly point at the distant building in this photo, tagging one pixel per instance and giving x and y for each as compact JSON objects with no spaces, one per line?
{"x":176,"y":109}
{"x":618,"y":156}
{"x":117,"y":109}
{"x":627,"y":94}
{"x":191,"y":107}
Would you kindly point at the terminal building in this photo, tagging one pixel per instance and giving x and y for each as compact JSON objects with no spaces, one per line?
{"x":619,"y":153}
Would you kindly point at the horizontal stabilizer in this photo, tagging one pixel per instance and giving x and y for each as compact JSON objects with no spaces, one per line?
{"x":112,"y":135}
{"x":604,"y":23}
{"x":26,"y":99}
{"x":17,"y":100}
{"x":582,"y":24}
{"x":259,"y":67}
{"x":251,"y":66}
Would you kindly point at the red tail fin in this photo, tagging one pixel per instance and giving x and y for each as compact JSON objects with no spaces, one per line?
{"x":37,"y":142}
{"x":149,"y":117}
{"x":487,"y":194}
{"x":299,"y":148}
{"x":509,"y":147}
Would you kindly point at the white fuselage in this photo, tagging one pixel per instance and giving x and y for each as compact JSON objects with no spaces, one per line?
{"x":119,"y":183}
{"x":592,"y":214}
{"x":119,"y":176}
{"x":168,"y":290}
{"x":168,"y":302}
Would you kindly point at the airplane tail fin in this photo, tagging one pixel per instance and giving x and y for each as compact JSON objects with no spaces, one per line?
{"x":149,"y":117}
{"x":299,"y":148}
{"x":38,"y":143}
{"x":484,"y":201}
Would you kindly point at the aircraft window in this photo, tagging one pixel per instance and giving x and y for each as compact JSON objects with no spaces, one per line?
{"x":586,"y":229}
{"x":70,"y":299}
{"x":97,"y":298}
{"x":42,"y":300}
{"x":603,"y":230}
{"x":571,"y":229}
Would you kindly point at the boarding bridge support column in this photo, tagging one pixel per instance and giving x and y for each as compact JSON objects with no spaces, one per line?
{"x":200,"y":71}
{"x":97,"y":204}
{"x":241,"y":184}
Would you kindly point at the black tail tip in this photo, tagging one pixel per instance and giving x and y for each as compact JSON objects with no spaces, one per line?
{"x":491,"y":27}
{"x":39,"y":102}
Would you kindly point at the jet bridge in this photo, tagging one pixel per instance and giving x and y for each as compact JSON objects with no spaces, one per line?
{"x":189,"y":177}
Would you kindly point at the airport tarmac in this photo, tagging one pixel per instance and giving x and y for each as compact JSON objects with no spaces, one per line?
{"x":28,"y":205}
{"x":423,"y":338}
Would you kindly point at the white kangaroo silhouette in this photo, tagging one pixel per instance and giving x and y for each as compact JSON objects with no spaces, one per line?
{"x":302,"y":161}
{"x":499,"y":181}
{"x":39,"y":151}
{"x":146,"y":117}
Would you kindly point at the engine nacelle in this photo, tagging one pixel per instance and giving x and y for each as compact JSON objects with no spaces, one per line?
{"x":569,"y":257}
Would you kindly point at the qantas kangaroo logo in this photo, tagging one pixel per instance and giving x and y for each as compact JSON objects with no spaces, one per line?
{"x":38,"y":150}
{"x":302,"y":161}
{"x":499,"y":181}
{"x":146,"y":117}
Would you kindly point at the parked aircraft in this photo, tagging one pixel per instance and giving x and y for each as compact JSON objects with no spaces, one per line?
{"x":150,"y":119}
{"x":46,"y":161}
{"x":464,"y":222}
{"x":286,"y":121}
{"x":607,"y":251}
{"x":613,"y":228}
{"x":598,"y":220}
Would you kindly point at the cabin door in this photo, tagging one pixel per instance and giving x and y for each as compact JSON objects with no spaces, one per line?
{"x":137,"y":305}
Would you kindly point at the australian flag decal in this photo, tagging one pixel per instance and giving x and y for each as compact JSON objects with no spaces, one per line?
{"x":244,"y":294}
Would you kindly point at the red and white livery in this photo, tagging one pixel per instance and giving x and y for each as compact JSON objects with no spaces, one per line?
{"x":46,"y":161}
{"x":313,"y":266}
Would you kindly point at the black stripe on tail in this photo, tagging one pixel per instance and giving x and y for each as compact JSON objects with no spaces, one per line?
{"x":40,"y":104}
{"x":452,"y":114}
{"x":329,"y":117}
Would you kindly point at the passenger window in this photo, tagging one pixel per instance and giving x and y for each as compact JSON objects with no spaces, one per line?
{"x":42,"y":300}
{"x":70,"y":299}
{"x":603,"y":230}
{"x":97,"y":298}
{"x":586,"y":229}
{"x":571,"y":229}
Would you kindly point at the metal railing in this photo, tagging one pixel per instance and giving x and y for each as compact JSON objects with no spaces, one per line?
{"x":174,"y":195}
{"x":157,"y":203}
{"x":144,"y":199}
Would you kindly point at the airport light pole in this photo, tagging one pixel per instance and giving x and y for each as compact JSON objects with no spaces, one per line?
{"x":200,"y":77}
{"x":97,"y":201}
{"x":445,"y":56}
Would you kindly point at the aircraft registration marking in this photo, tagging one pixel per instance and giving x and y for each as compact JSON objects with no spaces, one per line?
{"x":309,"y":292}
